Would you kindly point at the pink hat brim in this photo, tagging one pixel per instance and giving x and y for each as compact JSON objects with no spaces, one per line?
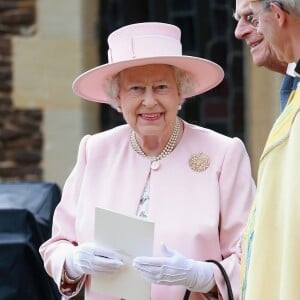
{"x":91,"y":84}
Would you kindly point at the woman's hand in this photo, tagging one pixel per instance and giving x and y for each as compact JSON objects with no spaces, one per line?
{"x":175,"y":269}
{"x":92,"y":259}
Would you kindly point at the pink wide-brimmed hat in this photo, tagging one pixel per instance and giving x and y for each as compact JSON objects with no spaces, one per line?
{"x":142,"y":44}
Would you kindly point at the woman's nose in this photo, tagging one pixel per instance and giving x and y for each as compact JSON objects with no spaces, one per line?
{"x":149,"y":97}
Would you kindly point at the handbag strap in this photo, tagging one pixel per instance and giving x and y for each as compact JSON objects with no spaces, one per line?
{"x":186,"y":295}
{"x":226,"y":278}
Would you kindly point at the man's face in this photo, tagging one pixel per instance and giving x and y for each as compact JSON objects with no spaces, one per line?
{"x":260,"y":49}
{"x":267,"y":25}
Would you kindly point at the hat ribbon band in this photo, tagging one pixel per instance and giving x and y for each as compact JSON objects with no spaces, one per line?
{"x":143,"y":47}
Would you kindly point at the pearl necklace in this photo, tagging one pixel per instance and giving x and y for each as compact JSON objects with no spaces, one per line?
{"x":166,"y":151}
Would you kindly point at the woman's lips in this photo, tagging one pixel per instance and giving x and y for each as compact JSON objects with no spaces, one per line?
{"x":153,"y":116}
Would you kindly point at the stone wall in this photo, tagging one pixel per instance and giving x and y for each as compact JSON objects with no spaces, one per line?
{"x":21,"y":140}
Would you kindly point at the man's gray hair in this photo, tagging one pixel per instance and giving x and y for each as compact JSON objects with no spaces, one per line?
{"x":286,"y":5}
{"x":291,"y":5}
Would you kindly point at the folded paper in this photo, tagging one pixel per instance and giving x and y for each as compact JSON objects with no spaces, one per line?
{"x":130,"y":236}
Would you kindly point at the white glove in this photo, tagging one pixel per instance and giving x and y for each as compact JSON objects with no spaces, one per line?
{"x":89,"y":258}
{"x":175,"y":269}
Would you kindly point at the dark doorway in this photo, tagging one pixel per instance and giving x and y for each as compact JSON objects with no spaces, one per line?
{"x":207,"y":31}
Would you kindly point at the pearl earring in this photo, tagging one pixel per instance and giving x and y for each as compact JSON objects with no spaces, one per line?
{"x":118,"y":108}
{"x":179,"y":107}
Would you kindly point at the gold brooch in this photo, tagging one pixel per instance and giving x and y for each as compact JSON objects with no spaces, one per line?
{"x":199,"y":162}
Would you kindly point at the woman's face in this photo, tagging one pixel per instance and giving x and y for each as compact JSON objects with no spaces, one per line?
{"x":149,"y":99}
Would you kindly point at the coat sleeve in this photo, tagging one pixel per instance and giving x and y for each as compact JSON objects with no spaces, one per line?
{"x":63,"y":239}
{"x":237,"y":190}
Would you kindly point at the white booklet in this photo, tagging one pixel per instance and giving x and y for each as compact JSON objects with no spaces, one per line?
{"x":130,"y":236}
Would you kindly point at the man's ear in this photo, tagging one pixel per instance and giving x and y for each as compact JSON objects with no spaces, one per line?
{"x":280,"y":14}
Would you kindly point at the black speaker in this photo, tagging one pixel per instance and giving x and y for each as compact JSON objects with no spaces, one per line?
{"x":26,"y":212}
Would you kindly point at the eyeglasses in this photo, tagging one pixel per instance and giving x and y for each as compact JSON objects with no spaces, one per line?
{"x":253,"y":19}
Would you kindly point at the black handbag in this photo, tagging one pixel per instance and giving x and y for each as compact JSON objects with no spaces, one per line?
{"x":226,"y":278}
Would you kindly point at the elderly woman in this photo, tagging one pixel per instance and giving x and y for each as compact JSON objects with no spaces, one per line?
{"x":194,"y":183}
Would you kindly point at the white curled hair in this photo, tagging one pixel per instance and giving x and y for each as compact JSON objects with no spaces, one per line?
{"x":183,"y":80}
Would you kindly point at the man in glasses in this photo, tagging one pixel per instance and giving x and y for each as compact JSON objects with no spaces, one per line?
{"x":271,"y":244}
{"x":260,"y":49}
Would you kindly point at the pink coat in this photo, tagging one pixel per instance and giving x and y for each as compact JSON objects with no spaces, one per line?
{"x":200,"y":214}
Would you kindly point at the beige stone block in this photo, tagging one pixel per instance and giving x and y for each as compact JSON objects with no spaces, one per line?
{"x":61,"y":142}
{"x":76,"y":19}
{"x":63,"y":130}
{"x":44,"y":70}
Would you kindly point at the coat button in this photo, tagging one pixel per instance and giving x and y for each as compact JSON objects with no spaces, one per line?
{"x":155,"y":165}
